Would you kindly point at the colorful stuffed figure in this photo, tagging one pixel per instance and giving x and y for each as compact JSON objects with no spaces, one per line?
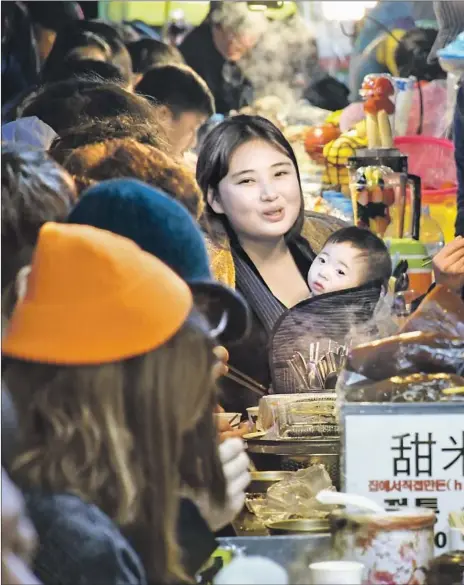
{"x":376,"y":92}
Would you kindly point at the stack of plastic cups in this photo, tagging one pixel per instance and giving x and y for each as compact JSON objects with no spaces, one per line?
{"x":404,"y":94}
{"x":452,"y":61}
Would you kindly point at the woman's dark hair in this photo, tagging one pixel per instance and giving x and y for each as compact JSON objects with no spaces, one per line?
{"x":93,"y":131}
{"x":10,"y":429}
{"x":219,"y":146}
{"x":126,"y":157}
{"x":35,"y":189}
{"x":166,"y":438}
{"x":69,"y":103}
{"x":178,"y":87}
{"x":54,"y":15}
{"x":92,"y":69}
{"x":83,"y":35}
{"x":412,"y":52}
{"x":148,"y":53}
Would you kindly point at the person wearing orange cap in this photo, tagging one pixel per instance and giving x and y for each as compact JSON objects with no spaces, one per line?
{"x":110,"y":369}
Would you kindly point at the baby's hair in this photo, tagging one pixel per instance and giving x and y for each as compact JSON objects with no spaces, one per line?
{"x":379,"y":264}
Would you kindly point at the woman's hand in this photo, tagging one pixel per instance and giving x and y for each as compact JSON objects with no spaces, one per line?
{"x":235,"y":464}
{"x":448,"y":265}
{"x":230,"y":433}
{"x":225,"y":431}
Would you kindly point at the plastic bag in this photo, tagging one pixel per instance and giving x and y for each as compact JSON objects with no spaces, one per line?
{"x":416,"y":365}
{"x":310,"y":418}
{"x":408,"y":353}
{"x":434,"y":100}
{"x":296,"y":497}
{"x":442,"y":311}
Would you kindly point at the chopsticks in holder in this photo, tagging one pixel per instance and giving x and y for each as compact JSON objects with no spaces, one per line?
{"x":246,"y":381}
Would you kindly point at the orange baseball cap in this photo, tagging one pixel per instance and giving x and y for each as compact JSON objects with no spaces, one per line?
{"x":94,"y":297}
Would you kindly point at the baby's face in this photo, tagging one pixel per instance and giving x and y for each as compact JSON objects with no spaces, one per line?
{"x":337,"y":267}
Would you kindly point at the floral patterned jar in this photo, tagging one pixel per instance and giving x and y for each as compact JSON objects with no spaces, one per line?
{"x":395,"y":547}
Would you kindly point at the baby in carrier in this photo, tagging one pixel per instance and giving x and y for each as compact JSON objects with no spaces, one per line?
{"x":351,"y":257}
{"x":346,"y":279}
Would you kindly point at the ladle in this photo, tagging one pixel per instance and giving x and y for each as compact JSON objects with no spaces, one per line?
{"x":342,"y":499}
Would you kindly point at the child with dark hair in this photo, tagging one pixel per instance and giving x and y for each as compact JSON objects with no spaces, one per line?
{"x":351,"y":257}
{"x":185,"y":102}
{"x":149,"y":53}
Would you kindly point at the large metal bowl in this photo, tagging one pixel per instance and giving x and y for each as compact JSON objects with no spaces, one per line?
{"x":262,"y":480}
{"x":309,"y":526}
{"x":294,"y":454}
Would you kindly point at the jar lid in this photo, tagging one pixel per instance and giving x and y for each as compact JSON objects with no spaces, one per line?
{"x":401,"y":519}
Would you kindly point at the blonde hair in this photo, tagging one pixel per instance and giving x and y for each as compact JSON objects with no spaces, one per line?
{"x":114,"y":435}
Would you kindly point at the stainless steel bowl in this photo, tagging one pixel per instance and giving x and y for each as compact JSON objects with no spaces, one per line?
{"x":294,"y":454}
{"x":303,"y":526}
{"x":262,"y":480}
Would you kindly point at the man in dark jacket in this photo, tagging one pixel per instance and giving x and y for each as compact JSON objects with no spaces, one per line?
{"x":215,"y":48}
{"x":20,"y":60}
{"x":458,"y":131}
{"x":450,"y":17}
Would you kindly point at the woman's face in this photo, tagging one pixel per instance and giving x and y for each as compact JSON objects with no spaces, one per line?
{"x":260,"y":195}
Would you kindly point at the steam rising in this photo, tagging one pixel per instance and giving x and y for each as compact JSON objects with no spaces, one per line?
{"x":236,"y":17}
{"x":283,"y":57}
{"x":282,"y":61}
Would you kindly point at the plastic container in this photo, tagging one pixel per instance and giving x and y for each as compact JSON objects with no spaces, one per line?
{"x":394,"y":547}
{"x":339,"y":202}
{"x":404,"y":94}
{"x":432,"y":159}
{"x":420,"y":273}
{"x":431,"y":234}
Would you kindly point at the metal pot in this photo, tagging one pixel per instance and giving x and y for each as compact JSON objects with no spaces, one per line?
{"x":261,"y":481}
{"x":304,"y":526}
{"x":294,"y":454}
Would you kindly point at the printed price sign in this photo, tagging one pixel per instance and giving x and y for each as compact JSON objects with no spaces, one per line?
{"x":407,"y":460}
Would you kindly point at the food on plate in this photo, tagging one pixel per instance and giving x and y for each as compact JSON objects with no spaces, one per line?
{"x":412,"y":388}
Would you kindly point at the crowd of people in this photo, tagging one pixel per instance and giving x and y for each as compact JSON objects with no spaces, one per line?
{"x":135,"y":271}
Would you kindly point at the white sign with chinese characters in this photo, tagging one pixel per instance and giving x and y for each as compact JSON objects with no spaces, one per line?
{"x":407,"y":460}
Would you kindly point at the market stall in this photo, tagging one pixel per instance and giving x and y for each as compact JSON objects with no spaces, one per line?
{"x":392,"y":431}
{"x":378,"y":410}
